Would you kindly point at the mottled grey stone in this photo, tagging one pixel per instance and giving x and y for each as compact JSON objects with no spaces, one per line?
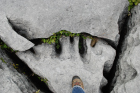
{"x":127,"y":76}
{"x":60,"y":68}
{"x":12,"y":81}
{"x":11,"y":38}
{"x":42,"y":18}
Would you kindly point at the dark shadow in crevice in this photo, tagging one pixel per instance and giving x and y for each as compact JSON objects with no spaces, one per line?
{"x":71,"y":39}
{"x":110,"y":42}
{"x":23,"y":68}
{"x":1,"y":67}
{"x":37,"y":41}
{"x":111,"y":76}
{"x":82,"y":46}
{"x":32,"y":50}
{"x":86,"y":34}
{"x":58,"y":47}
{"x":20,"y":30}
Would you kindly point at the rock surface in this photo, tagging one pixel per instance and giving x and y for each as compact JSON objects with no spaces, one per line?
{"x":42,"y":18}
{"x":10,"y":80}
{"x":11,"y":38}
{"x":60,"y":68}
{"x":128,"y":73}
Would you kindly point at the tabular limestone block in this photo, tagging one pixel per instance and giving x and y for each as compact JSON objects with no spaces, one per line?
{"x":12,"y":81}
{"x":128,"y":74}
{"x":42,"y":18}
{"x":60,"y":68}
{"x":11,"y":38}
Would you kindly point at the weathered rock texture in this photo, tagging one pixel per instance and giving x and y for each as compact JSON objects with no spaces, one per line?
{"x":128,"y":74}
{"x":10,"y":80}
{"x":42,"y":18}
{"x":60,"y":68}
{"x":10,"y":37}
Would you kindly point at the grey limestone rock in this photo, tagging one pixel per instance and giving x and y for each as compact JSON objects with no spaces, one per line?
{"x":42,"y":18}
{"x":12,"y":81}
{"x":11,"y":38}
{"x":60,"y":68}
{"x":127,"y":76}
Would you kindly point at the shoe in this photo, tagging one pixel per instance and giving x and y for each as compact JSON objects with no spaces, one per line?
{"x":77,"y":81}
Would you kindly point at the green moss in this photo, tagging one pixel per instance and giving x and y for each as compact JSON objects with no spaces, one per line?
{"x":2,"y":60}
{"x":133,"y":3}
{"x":37,"y":91}
{"x":56,"y":36}
{"x":16,"y":66}
{"x":41,"y":79}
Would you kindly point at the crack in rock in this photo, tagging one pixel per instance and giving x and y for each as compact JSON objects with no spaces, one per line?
{"x":127,"y":76}
{"x":11,"y":81}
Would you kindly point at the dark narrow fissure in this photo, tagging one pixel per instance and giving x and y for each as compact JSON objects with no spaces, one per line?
{"x":36,"y":41}
{"x":110,"y":42}
{"x":82,"y":48}
{"x":71,"y":39}
{"x":23,"y":68}
{"x":58,"y":47}
{"x":32,"y":50}
{"x":110,"y":77}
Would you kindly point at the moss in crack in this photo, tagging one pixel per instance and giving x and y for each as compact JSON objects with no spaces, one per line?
{"x":37,"y":91}
{"x":2,"y":60}
{"x":16,"y":66}
{"x":6,"y":47}
{"x":56,"y":36}
{"x":133,"y":3}
{"x":41,"y":79}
